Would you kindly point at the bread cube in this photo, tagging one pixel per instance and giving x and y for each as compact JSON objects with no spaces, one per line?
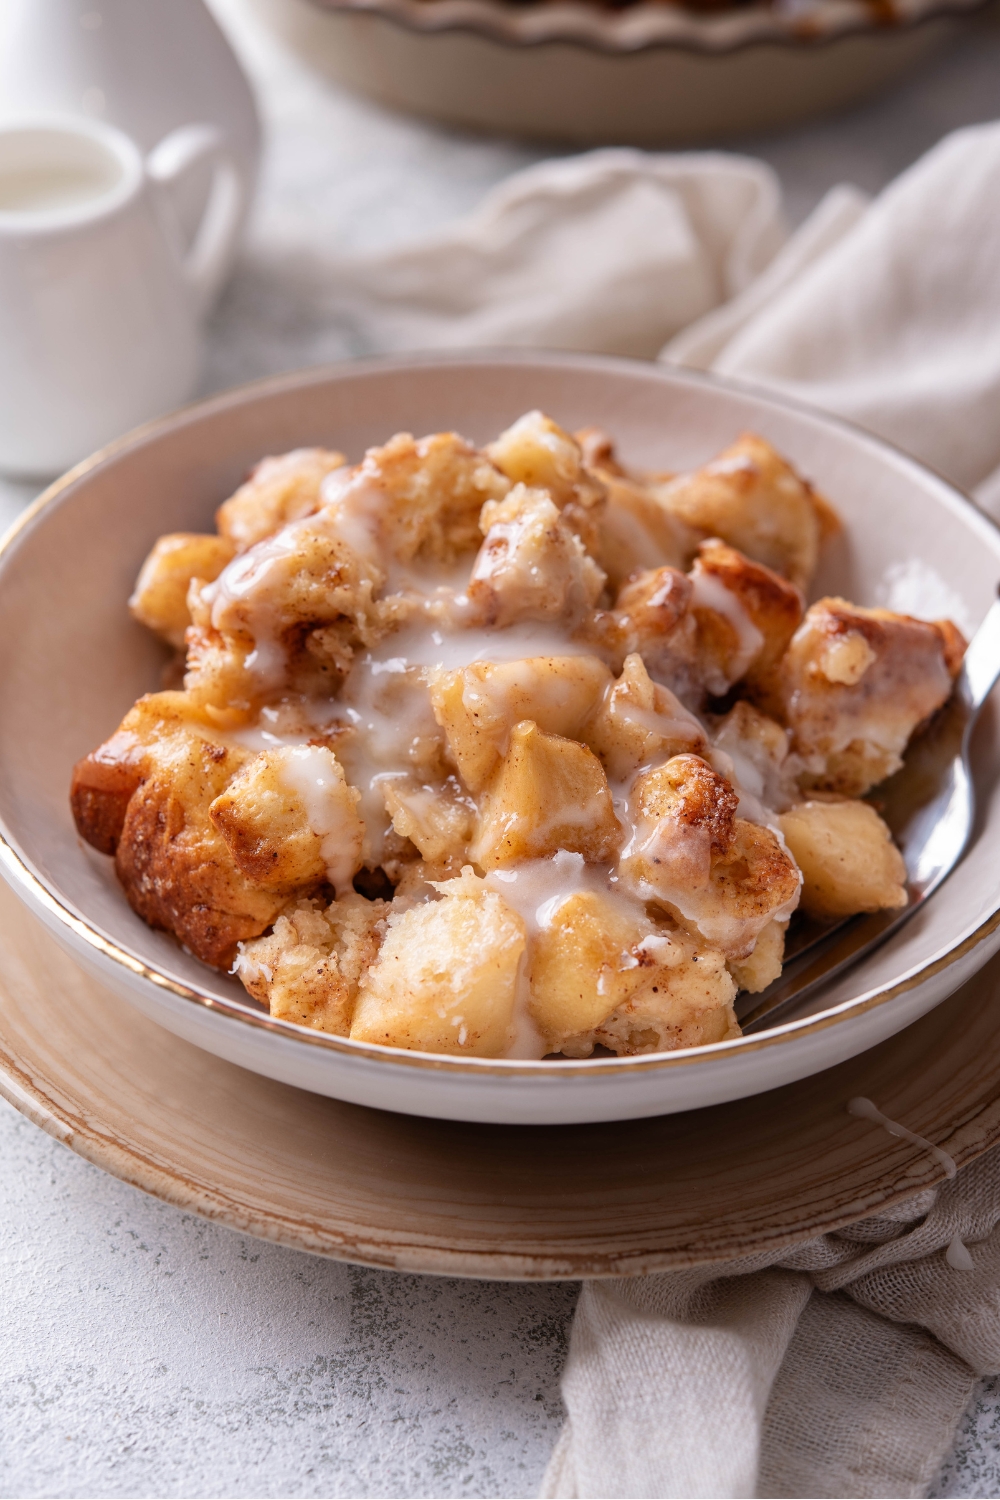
{"x":538,"y":453}
{"x":848,"y":860}
{"x":724,"y":892}
{"x":547,"y":794}
{"x":746,"y":617}
{"x":251,"y":628}
{"x":638,"y":721}
{"x":446,"y":976}
{"x":421,"y":497}
{"x":479,"y":705}
{"x":764,"y":964}
{"x":753,"y":882}
{"x":308,"y":968}
{"x":601,"y":972}
{"x":420,"y":878}
{"x":104,"y":781}
{"x":694,"y":1010}
{"x":145,"y":795}
{"x":636,"y":532}
{"x":855,"y":683}
{"x":531,"y":565}
{"x":290,"y":819}
{"x":752,"y":499}
{"x":599,"y":452}
{"x":439,"y":820}
{"x":278,"y":490}
{"x":160,"y":596}
{"x":652,"y":617}
{"x":757,"y":748}
{"x":684,"y":816}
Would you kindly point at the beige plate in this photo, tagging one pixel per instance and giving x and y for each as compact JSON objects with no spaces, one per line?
{"x":483,"y":1200}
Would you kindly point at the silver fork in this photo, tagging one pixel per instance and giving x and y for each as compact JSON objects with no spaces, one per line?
{"x":930,"y":807}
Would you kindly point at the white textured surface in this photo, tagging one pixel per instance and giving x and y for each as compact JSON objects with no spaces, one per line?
{"x":147,"y":1353}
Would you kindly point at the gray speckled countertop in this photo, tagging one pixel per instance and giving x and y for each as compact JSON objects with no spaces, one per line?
{"x":146,"y":1353}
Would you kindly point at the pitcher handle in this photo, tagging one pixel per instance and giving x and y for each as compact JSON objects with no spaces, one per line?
{"x":205,"y":260}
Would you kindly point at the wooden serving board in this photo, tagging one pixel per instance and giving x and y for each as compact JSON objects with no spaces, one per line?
{"x":484,"y":1200}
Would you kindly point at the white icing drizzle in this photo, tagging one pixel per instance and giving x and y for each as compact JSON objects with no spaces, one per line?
{"x":679,"y":724}
{"x":385,"y":703}
{"x":382,"y":727}
{"x":354,"y":502}
{"x":957,"y":1255}
{"x":308,"y":773}
{"x":535,"y":889}
{"x":250,"y":968}
{"x":709,"y":592}
{"x":864,"y":1109}
{"x":450,"y":647}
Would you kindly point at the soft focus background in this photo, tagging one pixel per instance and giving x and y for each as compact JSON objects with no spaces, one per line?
{"x":148,"y":1353}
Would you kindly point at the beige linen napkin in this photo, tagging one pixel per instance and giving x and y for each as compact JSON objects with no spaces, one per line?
{"x":614,"y":251}
{"x":887,"y":313}
{"x":840,"y":1368}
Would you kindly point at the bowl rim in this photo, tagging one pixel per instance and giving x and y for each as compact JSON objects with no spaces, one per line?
{"x":656,"y":24}
{"x":37,"y":892}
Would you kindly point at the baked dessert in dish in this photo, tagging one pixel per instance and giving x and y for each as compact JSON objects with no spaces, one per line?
{"x":509,"y":752}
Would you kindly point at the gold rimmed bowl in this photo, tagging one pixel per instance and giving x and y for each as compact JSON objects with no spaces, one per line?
{"x":72,"y":662}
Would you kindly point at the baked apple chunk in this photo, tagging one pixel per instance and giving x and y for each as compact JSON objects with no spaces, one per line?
{"x":446,"y":975}
{"x":548,"y":793}
{"x":602,"y":974}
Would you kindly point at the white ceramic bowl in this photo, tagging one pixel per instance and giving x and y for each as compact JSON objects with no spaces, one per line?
{"x":72,"y":662}
{"x":651,"y":73}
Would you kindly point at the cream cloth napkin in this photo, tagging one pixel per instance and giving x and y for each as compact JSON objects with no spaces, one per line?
{"x":843,"y":1367}
{"x":885,"y":312}
{"x":840,"y":1368}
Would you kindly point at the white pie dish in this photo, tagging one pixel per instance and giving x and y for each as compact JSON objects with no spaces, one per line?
{"x":72,"y":662}
{"x":648,"y":73}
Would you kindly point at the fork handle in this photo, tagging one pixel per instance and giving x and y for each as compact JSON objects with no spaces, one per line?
{"x":981,"y":666}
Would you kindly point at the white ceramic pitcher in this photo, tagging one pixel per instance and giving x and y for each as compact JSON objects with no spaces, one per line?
{"x":101,"y":292}
{"x":146,"y":66}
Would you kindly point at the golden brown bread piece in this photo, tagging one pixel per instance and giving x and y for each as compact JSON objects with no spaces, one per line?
{"x":264,"y":813}
{"x":531,"y":565}
{"x":856,"y":683}
{"x":445,"y":979}
{"x":174,"y":865}
{"x":308,"y":969}
{"x":773,"y":606}
{"x":429,"y":493}
{"x":688,"y":792}
{"x":754,"y":500}
{"x":278,"y":490}
{"x":718,"y":875}
{"x":159,"y":600}
{"x":652,"y":617}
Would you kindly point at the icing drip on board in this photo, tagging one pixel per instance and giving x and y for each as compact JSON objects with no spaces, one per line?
{"x":864,"y":1109}
{"x":958,"y":1257}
